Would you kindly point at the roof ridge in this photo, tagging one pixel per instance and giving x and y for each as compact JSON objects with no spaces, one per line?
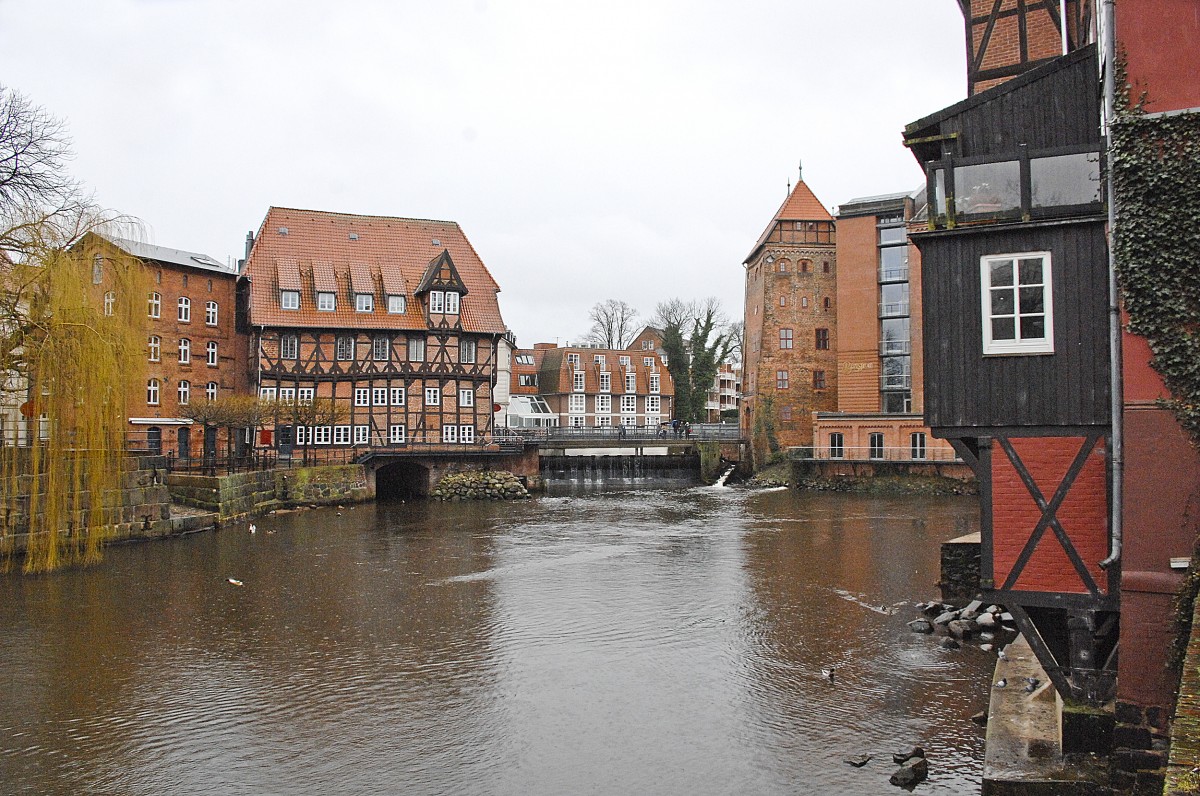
{"x":359,"y":215}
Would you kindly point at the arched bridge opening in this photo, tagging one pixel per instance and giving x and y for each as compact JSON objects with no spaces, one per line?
{"x":402,"y":480}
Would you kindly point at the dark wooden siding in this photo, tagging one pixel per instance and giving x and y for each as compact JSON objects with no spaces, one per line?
{"x":1067,"y":388}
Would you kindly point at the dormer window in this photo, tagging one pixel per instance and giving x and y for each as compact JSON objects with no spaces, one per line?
{"x":326,"y":301}
{"x":364,"y":302}
{"x":396,"y":305}
{"x":437,"y":301}
{"x":451,"y":303}
{"x":289,"y":299}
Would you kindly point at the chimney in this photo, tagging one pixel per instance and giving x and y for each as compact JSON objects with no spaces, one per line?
{"x":249,"y":243}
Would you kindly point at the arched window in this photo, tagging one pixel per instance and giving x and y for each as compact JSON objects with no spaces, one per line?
{"x":155,"y":347}
{"x":212,"y":353}
{"x":185,"y":351}
{"x":152,"y":392}
{"x":210,"y":313}
{"x":110,"y":301}
{"x":185,"y":309}
{"x":154,"y":305}
{"x":210,"y":391}
{"x":185,"y":392}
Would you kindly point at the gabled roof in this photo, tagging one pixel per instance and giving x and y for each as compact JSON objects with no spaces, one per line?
{"x":442,"y":274}
{"x":350,"y":253}
{"x":162,"y":254}
{"x":801,"y":205}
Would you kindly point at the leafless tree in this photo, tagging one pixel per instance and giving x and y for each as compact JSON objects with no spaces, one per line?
{"x":614,"y":324}
{"x":34,"y":148}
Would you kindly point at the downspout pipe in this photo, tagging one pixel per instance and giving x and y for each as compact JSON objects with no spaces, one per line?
{"x":1116,"y":386}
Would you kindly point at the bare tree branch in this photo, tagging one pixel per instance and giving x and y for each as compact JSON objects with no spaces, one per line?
{"x":614,"y":324}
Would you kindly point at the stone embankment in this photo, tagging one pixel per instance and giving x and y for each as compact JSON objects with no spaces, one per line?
{"x":487,"y":485}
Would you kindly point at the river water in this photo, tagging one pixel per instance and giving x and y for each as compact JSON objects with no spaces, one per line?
{"x":657,"y":641}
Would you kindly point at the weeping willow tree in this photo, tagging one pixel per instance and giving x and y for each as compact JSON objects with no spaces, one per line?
{"x":79,"y":326}
{"x":72,"y":322}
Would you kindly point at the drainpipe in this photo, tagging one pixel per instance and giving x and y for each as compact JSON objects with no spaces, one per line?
{"x":1108,"y":36}
{"x":1062,"y":21}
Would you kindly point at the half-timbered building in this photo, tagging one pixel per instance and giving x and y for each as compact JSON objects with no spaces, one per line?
{"x":1016,"y":321}
{"x":394,"y":319}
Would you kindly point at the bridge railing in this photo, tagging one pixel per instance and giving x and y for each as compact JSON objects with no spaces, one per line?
{"x":616,"y":436}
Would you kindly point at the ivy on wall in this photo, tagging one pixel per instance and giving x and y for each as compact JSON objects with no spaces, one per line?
{"x":1156,"y":240}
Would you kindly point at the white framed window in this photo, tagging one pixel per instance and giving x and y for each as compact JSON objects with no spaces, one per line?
{"x":603,"y":404}
{"x":398,"y":397}
{"x":652,"y":420}
{"x":599,"y":359}
{"x":266,"y":393}
{"x":152,"y":392}
{"x":466,"y":434}
{"x":379,"y":396}
{"x":210,"y":313}
{"x":210,"y":354}
{"x":326,"y":301}
{"x":466,"y":348}
{"x":648,"y":361}
{"x":577,"y":383}
{"x":630,"y":382}
{"x":321,"y":435}
{"x":433,"y":396}
{"x":577,"y":403}
{"x":155,"y":348}
{"x":345,"y":348}
{"x":396,"y":304}
{"x":362,"y":396}
{"x":1017,"y":301}
{"x":916,"y":442}
{"x":653,"y":405}
{"x":437,"y":301}
{"x":304,"y":396}
{"x":605,"y":382}
{"x":287,"y":395}
{"x":300,"y":432}
{"x":466,"y":397}
{"x":524,"y":359}
{"x":628,"y":404}
{"x":184,"y":392}
{"x":396,"y":434}
{"x":210,"y":391}
{"x":364,"y":302}
{"x":573,"y":358}
{"x":341,"y":435}
{"x":875,"y":445}
{"x":289,"y":299}
{"x":110,"y":303}
{"x":449,"y":433}
{"x":451,"y":302}
{"x":655,"y":382}
{"x":185,"y":309}
{"x":603,"y":421}
{"x":154,"y":305}
{"x":185,"y":351}
{"x":623,"y":360}
{"x":362,"y":434}
{"x":416,"y":349}
{"x":575,"y":421}
{"x":289,"y":346}
{"x":381,"y":348}
{"x":837,"y":445}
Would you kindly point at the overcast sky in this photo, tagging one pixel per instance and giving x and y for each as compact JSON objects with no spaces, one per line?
{"x":629,"y":150}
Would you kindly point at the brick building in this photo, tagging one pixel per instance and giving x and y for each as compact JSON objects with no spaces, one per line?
{"x":394,"y":319}
{"x":193,"y":350}
{"x":582,"y":387}
{"x":790,"y":346}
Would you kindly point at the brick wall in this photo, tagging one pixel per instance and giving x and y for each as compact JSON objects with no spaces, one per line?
{"x":1083,"y":514}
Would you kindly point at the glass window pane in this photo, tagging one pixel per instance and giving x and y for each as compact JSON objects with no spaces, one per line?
{"x":1003,"y":329}
{"x":1002,"y":302}
{"x":893,"y":263}
{"x":989,"y":188}
{"x":1030,"y":271}
{"x":1033,"y":327}
{"x":891,"y":235}
{"x":1031,"y":300}
{"x":1065,"y":180}
{"x":1002,"y":273}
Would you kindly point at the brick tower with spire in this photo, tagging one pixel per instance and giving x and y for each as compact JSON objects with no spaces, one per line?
{"x":790,"y":345}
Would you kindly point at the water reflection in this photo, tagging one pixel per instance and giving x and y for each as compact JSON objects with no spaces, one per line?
{"x":662,"y":641}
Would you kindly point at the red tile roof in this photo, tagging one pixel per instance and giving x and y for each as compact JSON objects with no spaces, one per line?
{"x":801,"y":205}
{"x":376,"y":253}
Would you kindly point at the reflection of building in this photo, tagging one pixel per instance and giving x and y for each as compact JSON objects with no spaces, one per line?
{"x":790,"y":346}
{"x":193,"y":350}
{"x":589,"y":388}
{"x":879,"y":363}
{"x":394,"y":319}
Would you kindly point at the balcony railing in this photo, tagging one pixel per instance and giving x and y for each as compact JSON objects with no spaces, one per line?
{"x":875,"y":454}
{"x":893,"y":309}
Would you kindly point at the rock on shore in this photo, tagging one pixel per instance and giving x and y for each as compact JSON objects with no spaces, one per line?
{"x":487,"y":485}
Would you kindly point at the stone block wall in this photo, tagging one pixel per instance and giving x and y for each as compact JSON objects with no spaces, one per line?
{"x":241,"y":494}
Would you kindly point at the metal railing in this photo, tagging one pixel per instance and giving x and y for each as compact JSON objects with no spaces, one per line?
{"x":622,"y":435}
{"x":903,"y":453}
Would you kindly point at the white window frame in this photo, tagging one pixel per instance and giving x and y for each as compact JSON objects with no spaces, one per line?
{"x":397,"y":434}
{"x":154,"y":346}
{"x":1016,"y":346}
{"x":577,"y":382}
{"x":450,"y":433}
{"x":629,"y":404}
{"x":210,"y":313}
{"x":184,"y":306}
{"x":437,"y":301}
{"x":326,"y":301}
{"x":344,"y":345}
{"x":362,"y":396}
{"x":630,"y":382}
{"x":466,"y":350}
{"x":211,"y":356}
{"x":397,"y":397}
{"x":110,"y":303}
{"x":381,"y":348}
{"x":300,"y":432}
{"x":210,"y":391}
{"x":362,"y":435}
{"x":655,"y":383}
{"x":364,"y":302}
{"x":289,"y":346}
{"x":623,"y":360}
{"x":837,"y":445}
{"x":289,"y":299}
{"x":416,"y":349}
{"x":304,"y":396}
{"x":396,"y":304}
{"x":154,"y":305}
{"x":603,"y":421}
{"x":153,"y":393}
{"x":466,"y":397}
{"x":321,"y":435}
{"x":266,"y":393}
{"x":603,"y":404}
{"x":184,"y":392}
{"x":629,"y":420}
{"x":451,"y":302}
{"x":185,"y":351}
{"x":605,"y":382}
{"x":433,"y":396}
{"x":466,"y":434}
{"x":287,"y":395}
{"x":653,"y":404}
{"x":379,"y":396}
{"x":577,"y":403}
{"x":341,"y":435}
{"x":575,"y":421}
